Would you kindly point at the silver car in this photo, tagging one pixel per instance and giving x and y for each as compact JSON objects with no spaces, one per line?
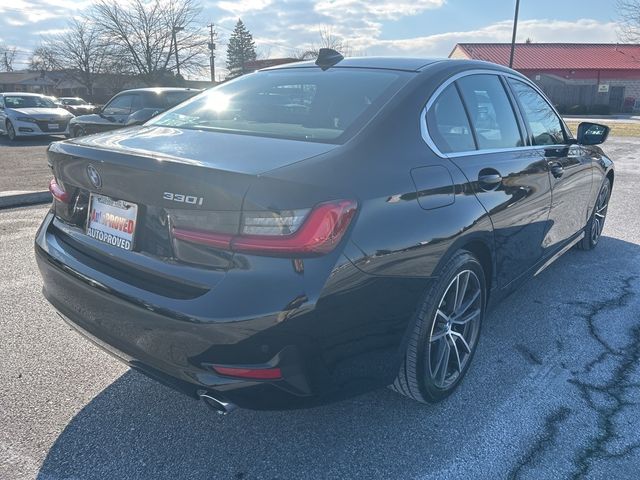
{"x":31,"y":114}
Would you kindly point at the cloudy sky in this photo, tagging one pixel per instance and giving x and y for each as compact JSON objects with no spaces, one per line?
{"x":371,"y":27}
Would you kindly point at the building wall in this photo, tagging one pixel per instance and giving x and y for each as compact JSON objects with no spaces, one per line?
{"x":458,"y":54}
{"x":578,"y":90}
{"x":580,"y":93}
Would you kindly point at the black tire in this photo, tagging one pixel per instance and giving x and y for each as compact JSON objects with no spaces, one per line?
{"x":11,"y":131}
{"x":416,"y":379}
{"x":78,"y":131}
{"x":593,"y":229}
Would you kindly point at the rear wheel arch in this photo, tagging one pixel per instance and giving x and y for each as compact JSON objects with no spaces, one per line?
{"x":610,"y":175}
{"x":480,"y":245}
{"x":483,"y":253}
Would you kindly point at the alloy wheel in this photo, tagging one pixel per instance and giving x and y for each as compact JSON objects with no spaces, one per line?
{"x":600,"y":213}
{"x":455,"y":329}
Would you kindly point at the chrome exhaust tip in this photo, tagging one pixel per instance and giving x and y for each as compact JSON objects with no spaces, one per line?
{"x":219,"y":406}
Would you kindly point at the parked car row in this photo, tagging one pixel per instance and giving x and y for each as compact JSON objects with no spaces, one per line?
{"x":31,"y":114}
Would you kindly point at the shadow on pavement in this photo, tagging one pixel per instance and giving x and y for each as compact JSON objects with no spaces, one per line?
{"x":136,"y":428}
{"x":29,"y":141}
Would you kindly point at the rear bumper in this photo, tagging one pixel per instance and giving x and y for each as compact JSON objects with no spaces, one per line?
{"x":327,"y":347}
{"x":340,"y":340}
{"x":171,"y":347}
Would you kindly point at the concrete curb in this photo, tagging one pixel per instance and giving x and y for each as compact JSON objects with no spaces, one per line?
{"x":24,"y":199}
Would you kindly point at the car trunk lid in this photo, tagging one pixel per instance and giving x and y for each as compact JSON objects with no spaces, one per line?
{"x":220,"y":151}
{"x":170,"y":175}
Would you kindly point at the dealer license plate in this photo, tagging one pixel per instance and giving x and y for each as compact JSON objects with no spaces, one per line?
{"x":112,"y":221}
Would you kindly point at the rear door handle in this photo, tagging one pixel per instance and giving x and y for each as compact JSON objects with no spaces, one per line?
{"x":489,"y":179}
{"x":556,"y":169}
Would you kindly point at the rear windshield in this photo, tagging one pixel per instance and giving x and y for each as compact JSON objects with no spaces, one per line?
{"x":28,"y":101}
{"x":301,"y":103}
{"x":165,"y":100}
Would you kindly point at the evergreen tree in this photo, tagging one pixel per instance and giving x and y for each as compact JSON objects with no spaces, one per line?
{"x":241,"y":49}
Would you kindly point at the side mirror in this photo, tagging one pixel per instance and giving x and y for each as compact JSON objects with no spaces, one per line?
{"x":592,"y":133}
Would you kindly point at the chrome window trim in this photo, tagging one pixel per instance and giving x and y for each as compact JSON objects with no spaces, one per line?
{"x":424,"y":131}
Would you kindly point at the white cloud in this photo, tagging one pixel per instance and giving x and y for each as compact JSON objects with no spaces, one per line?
{"x":240,"y":7}
{"x":583,"y":30}
{"x":375,"y":9}
{"x":287,"y":26}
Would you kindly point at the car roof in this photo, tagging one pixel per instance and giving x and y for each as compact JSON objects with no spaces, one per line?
{"x":160,"y":90}
{"x":22,"y":94}
{"x":412,"y":64}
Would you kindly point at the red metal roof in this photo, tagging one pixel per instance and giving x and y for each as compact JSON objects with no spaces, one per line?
{"x":557,"y":56}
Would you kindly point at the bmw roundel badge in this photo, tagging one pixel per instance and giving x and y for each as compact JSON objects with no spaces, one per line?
{"x":94,"y":176}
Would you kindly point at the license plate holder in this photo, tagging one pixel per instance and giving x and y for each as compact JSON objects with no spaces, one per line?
{"x":53,"y":126}
{"x":112,"y":221}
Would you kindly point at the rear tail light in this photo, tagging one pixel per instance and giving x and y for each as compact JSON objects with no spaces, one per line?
{"x":58,"y":191}
{"x":301,"y":232}
{"x":253,"y":373}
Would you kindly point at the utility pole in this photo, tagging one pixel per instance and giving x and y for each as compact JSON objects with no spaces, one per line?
{"x":212,"y":57}
{"x":175,"y":44}
{"x":513,"y":37}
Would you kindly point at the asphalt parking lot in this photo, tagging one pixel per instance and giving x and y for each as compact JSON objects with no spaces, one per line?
{"x":26,"y":159}
{"x":554,"y":391}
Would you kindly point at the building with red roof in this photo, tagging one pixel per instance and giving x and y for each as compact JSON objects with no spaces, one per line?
{"x":578,"y":77}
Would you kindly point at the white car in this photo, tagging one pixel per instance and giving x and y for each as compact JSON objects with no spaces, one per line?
{"x":31,"y":114}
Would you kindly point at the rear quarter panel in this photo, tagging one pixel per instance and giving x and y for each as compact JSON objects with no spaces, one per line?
{"x":396,"y":243}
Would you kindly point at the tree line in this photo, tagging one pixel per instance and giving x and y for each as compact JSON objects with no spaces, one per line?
{"x":156,"y":41}
{"x":136,"y":38}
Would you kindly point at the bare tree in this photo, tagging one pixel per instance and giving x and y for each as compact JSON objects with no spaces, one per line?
{"x":629,"y":20}
{"x":42,"y":59}
{"x":7,"y":57}
{"x":80,"y":51}
{"x":328,"y":39}
{"x":143,"y":33}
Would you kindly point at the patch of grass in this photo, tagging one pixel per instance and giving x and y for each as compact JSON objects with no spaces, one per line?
{"x":618,"y":129}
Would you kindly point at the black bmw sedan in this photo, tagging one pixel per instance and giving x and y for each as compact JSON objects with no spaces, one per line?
{"x":317,"y":230}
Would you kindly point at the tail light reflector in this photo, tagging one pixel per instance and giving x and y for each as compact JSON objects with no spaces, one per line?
{"x":58,"y":192}
{"x":301,"y":232}
{"x":253,"y":373}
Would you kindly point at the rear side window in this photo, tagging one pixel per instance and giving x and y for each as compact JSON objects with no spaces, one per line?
{"x":448,"y":123}
{"x":136,"y":103}
{"x":119,"y":106}
{"x":491,"y":112}
{"x":543,"y":122}
{"x":165,"y":100}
